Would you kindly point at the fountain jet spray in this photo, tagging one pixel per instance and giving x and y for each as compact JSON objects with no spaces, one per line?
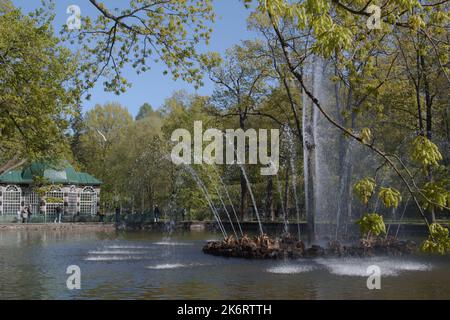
{"x":208,"y":199}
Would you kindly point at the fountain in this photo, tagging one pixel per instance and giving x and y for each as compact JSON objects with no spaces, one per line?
{"x":252,"y":197}
{"x":330,"y":170}
{"x":292,"y":159}
{"x":205,"y":192}
{"x":280,"y":193}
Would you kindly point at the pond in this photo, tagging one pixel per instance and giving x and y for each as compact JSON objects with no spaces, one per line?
{"x":144,"y":265}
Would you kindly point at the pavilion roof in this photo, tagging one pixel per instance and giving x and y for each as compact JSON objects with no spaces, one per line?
{"x":57,"y":174}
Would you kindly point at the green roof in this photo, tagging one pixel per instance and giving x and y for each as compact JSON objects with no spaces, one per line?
{"x":65,"y":174}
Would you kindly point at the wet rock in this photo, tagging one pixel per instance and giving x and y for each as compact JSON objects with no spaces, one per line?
{"x":315,"y":251}
{"x":334,"y":249}
{"x":287,"y":247}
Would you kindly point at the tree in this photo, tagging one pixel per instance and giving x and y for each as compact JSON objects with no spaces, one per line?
{"x":37,"y":92}
{"x":103,"y":127}
{"x":180,"y":111}
{"x":145,"y":111}
{"x":337,"y":29}
{"x":136,"y":164}
{"x":140,"y":33}
{"x":241,"y":85}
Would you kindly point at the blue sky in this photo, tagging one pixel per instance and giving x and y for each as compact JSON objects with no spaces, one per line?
{"x":230,"y":28}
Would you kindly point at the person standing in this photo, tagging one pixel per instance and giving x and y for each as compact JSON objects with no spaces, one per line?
{"x":156,"y":213}
{"x":24,"y":215}
{"x":117,"y":215}
{"x":28,"y":210}
{"x":58,"y":214}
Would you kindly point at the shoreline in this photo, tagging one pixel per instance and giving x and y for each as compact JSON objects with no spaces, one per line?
{"x":68,"y":226}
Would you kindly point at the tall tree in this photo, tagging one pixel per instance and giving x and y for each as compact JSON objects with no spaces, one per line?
{"x":145,"y":111}
{"x":37,"y":93}
{"x":103,"y":127}
{"x":241,"y":85}
{"x":341,"y":26}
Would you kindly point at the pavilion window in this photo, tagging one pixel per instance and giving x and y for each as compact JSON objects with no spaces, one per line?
{"x":88,"y":201}
{"x":73,"y":197}
{"x":32,"y":201}
{"x":11,"y":200}
{"x":58,"y":195}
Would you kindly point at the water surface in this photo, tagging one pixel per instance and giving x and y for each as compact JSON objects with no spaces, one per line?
{"x":138,"y":265}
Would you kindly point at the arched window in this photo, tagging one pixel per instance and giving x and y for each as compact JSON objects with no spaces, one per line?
{"x":55,"y":199}
{"x":73,"y":195}
{"x":32,"y":200}
{"x":88,"y":201}
{"x":11,"y":200}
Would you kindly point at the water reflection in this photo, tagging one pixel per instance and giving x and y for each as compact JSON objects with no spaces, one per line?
{"x":141,"y":265}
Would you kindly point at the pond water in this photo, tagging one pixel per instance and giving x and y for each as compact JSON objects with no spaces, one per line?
{"x":138,"y":265}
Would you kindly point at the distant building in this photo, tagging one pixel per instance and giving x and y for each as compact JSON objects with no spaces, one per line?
{"x":78,"y":193}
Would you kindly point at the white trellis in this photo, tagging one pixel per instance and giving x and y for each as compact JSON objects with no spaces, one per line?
{"x":88,"y":201}
{"x":72,"y":201}
{"x":11,"y":200}
{"x":56,"y":193}
{"x":32,"y":201}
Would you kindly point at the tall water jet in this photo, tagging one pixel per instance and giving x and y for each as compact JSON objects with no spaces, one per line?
{"x":332,"y":161}
{"x":280,"y":193}
{"x":309,"y":151}
{"x":226,"y":211}
{"x":252,"y":197}
{"x":232,"y":206}
{"x":292,"y":159}
{"x":205,"y":192}
{"x":229,"y":199}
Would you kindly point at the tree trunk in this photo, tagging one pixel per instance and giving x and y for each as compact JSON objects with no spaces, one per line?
{"x":244,"y":188}
{"x":309,"y":150}
{"x":309,"y":154}
{"x":11,"y":164}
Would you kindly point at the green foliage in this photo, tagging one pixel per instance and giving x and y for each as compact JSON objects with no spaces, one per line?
{"x":437,"y":193}
{"x":425,"y":152}
{"x":140,"y":33}
{"x":37,"y":88}
{"x":42,"y":187}
{"x":366,"y":135}
{"x":438,"y":241}
{"x":364,"y":189}
{"x":334,"y":24}
{"x":54,"y":200}
{"x":390,"y":197}
{"x":145,"y":110}
{"x":108,"y":121}
{"x":371,"y":224}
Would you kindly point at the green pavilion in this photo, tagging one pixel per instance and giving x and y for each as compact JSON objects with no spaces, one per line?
{"x":77,"y":193}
